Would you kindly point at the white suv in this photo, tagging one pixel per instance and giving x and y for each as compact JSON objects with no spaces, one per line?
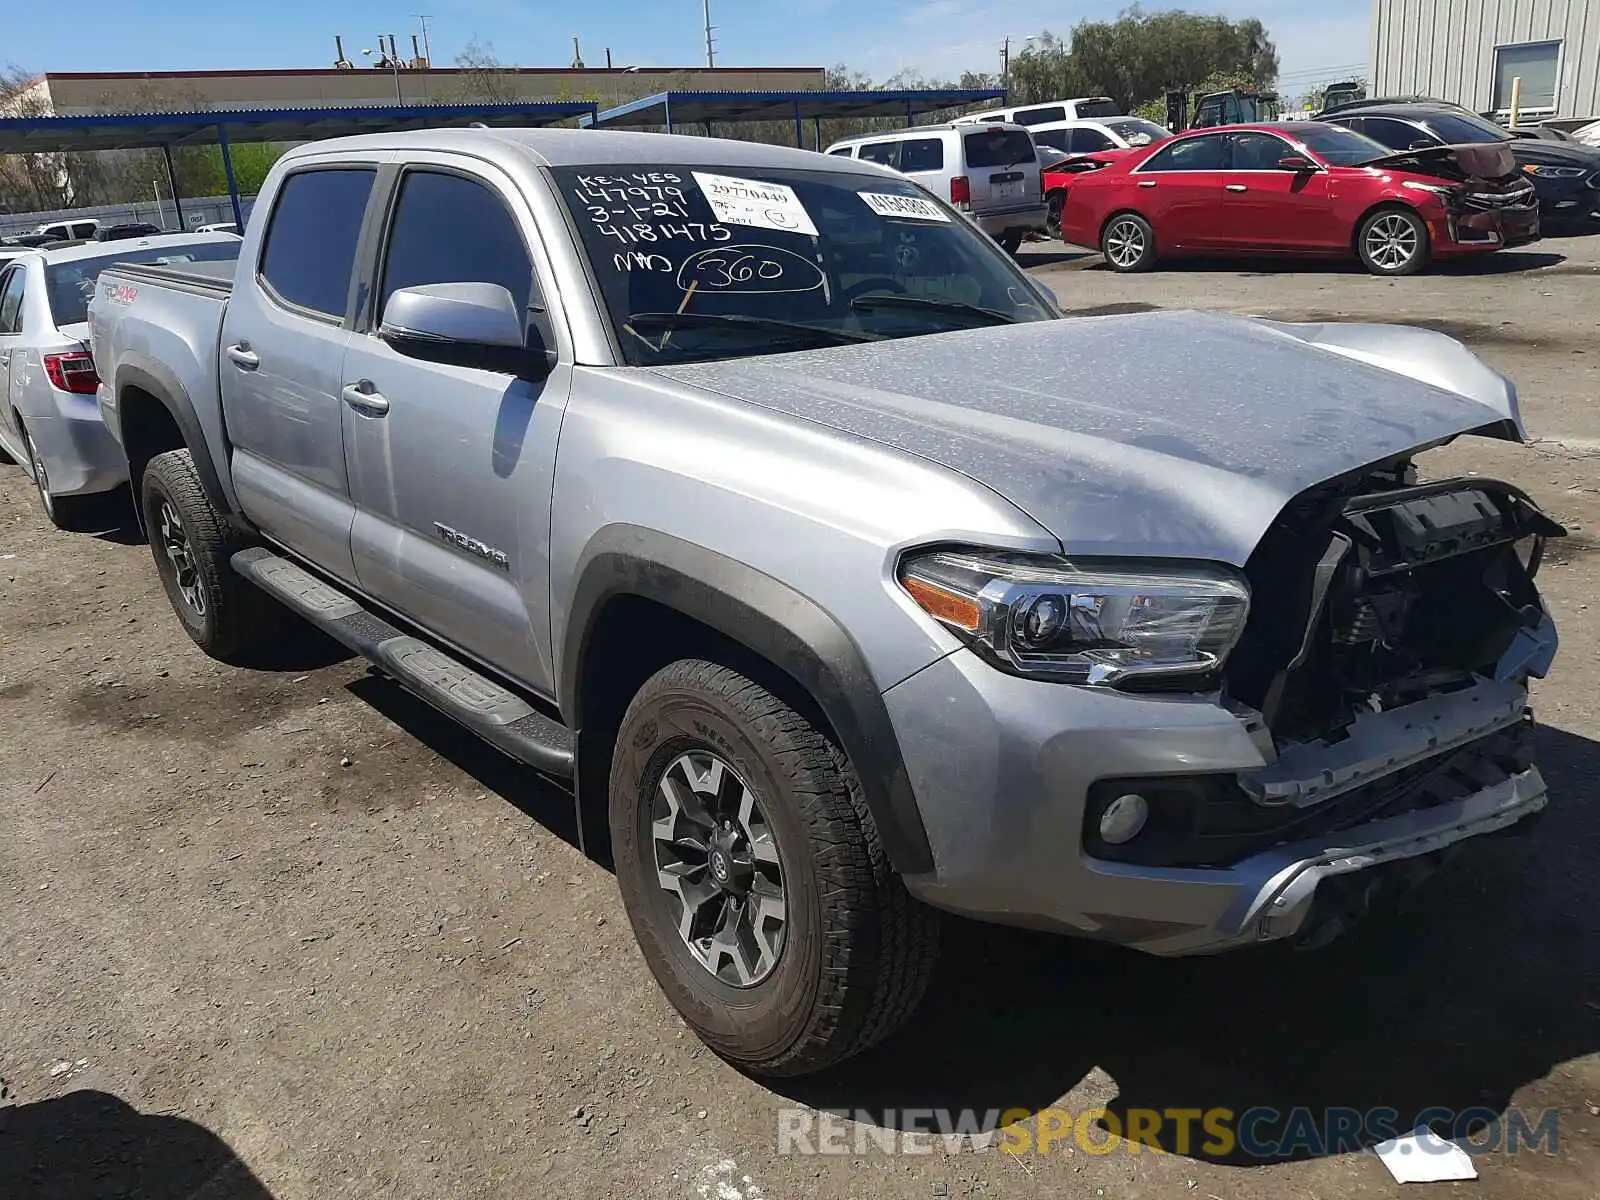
{"x":990,"y":173}
{"x":1082,"y":109}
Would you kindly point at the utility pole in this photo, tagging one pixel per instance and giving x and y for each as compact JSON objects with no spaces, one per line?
{"x":427,"y":50}
{"x":1005,"y":62}
{"x":711,"y":54}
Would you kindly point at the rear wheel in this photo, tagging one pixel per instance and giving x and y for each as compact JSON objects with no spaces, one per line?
{"x":753,"y":876}
{"x":1393,"y":241}
{"x":64,"y":512}
{"x":1128,"y":243}
{"x":192,"y":543}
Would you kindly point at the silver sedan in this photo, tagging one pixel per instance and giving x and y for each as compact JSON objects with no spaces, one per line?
{"x":49,"y":419}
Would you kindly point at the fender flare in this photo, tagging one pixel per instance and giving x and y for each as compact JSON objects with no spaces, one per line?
{"x":155,"y":379}
{"x":770,"y":618}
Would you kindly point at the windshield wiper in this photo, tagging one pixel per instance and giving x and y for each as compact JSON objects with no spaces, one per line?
{"x":887,"y":300}
{"x":690,"y":320}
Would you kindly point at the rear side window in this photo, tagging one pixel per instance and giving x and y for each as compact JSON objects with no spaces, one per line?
{"x":85,"y":229}
{"x":1396,"y":135}
{"x":11,"y":300}
{"x":1058,"y":139}
{"x":449,"y":229}
{"x":1190,"y":154}
{"x":879,"y":152}
{"x":311,"y":242}
{"x":922,"y":154}
{"x":1039,"y":116}
{"x":998,"y":148}
{"x":1097,"y":108}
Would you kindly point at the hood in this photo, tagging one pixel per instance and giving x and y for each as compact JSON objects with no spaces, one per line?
{"x":1166,"y":434}
{"x":1482,"y":160}
{"x":1555,"y":154}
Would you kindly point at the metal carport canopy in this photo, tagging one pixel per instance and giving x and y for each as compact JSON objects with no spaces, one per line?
{"x":670,"y":109}
{"x":164,"y":130}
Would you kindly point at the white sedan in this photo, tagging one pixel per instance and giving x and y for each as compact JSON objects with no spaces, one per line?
{"x":49,"y":417}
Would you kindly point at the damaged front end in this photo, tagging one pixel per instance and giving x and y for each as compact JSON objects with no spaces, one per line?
{"x":1382,"y":672}
{"x":1487,"y":200}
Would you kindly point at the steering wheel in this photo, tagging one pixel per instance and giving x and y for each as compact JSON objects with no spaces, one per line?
{"x":876,"y":283}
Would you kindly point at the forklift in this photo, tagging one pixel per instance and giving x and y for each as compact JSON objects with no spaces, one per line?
{"x":1233,"y":107}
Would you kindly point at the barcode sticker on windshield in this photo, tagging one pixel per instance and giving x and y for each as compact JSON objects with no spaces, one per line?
{"x":915,"y":207}
{"x":752,"y":202}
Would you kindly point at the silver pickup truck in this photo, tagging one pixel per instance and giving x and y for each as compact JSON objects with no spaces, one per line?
{"x":765,"y":500}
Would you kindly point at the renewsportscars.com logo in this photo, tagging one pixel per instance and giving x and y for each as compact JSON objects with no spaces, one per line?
{"x":1219,"y":1133}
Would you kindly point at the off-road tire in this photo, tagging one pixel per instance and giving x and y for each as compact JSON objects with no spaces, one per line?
{"x":235,"y":616}
{"x":859,"y":949}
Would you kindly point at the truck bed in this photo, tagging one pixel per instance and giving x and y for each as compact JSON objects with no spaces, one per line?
{"x":207,"y":278}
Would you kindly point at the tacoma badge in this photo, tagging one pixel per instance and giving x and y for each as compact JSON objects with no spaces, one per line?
{"x":473,"y":546}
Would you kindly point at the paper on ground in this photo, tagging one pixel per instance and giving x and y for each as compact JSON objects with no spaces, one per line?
{"x":751,"y":202}
{"x":1422,"y":1156}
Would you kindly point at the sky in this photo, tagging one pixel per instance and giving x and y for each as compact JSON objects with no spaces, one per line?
{"x":1317,"y":41}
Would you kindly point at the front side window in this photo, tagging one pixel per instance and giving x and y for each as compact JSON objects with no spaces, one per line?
{"x":450,"y":229}
{"x":1537,"y":65}
{"x":1258,"y":151}
{"x":11,"y":300}
{"x":86,"y":229}
{"x":1057,"y":139}
{"x":922,"y":154}
{"x":310,"y":251}
{"x":69,"y":286}
{"x":1187,"y":154}
{"x":1339,"y":146}
{"x":710,"y":262}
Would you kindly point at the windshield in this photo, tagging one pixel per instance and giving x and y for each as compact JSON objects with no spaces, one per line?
{"x":1460,"y":129}
{"x":70,"y":285}
{"x":693,"y":263}
{"x":1136,"y":131}
{"x":1339,"y":146}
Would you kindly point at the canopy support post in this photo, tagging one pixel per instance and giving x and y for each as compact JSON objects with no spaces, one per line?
{"x":233,"y":182}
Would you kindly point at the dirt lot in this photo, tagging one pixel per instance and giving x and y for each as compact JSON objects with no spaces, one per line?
{"x":285,"y":932}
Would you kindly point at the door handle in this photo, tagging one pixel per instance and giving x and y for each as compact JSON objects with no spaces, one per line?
{"x":361,"y":397}
{"x":1237,"y":187}
{"x":1147,"y":183}
{"x":242,"y":356}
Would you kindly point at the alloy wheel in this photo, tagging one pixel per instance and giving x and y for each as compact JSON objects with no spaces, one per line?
{"x":1392,"y":242}
{"x":718,"y":864}
{"x":1125,"y":243}
{"x":175,"y":542}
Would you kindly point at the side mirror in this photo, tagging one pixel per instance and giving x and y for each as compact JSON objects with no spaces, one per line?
{"x":466,"y":325}
{"x":1296,"y":162}
{"x":1422,"y":144}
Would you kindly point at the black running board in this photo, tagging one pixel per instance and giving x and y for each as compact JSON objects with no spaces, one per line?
{"x":500,"y":717}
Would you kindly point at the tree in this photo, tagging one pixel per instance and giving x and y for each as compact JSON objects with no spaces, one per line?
{"x":30,"y":182}
{"x":483,"y":78}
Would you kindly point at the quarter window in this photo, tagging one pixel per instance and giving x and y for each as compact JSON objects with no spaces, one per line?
{"x":1188,"y":154}
{"x":1039,"y":116}
{"x":311,"y":243}
{"x":450,"y":229}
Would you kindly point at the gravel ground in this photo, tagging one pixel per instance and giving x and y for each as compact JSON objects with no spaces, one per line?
{"x":284,"y":932}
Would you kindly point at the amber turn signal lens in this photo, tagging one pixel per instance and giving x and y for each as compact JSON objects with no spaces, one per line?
{"x":946,"y":606}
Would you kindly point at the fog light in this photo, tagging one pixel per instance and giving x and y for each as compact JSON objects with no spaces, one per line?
{"x":1123,"y":818}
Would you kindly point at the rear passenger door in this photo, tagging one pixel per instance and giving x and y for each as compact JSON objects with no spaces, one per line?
{"x":283,"y":344}
{"x":451,"y":470}
{"x":12,"y":279}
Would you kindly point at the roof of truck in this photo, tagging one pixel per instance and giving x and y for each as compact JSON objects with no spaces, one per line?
{"x":585,"y":147}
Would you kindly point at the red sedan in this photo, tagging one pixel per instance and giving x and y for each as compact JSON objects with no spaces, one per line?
{"x":1304,"y":189}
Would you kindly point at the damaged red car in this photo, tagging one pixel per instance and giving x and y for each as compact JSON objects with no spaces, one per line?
{"x":1301,"y":189}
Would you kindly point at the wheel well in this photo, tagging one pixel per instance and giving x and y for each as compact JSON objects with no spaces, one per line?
{"x":148,"y":429}
{"x":1380,"y":206}
{"x":632,"y":638}
{"x":1122,"y":212}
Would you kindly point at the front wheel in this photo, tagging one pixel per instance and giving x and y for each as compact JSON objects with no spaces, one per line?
{"x":192,"y":543}
{"x":754,"y":878}
{"x":1393,"y":241}
{"x":1128,"y":243}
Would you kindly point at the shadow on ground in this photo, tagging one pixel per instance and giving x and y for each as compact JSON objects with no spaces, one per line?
{"x":1477,"y":985}
{"x":1503,"y":262}
{"x":90,"y":1145}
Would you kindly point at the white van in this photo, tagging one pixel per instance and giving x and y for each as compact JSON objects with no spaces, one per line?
{"x":990,"y":173}
{"x":1084,"y":108}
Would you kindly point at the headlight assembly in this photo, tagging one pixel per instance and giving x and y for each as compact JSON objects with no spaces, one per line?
{"x":1094,"y":622}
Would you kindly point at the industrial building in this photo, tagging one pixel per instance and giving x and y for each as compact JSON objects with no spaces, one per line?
{"x":1471,"y":51}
